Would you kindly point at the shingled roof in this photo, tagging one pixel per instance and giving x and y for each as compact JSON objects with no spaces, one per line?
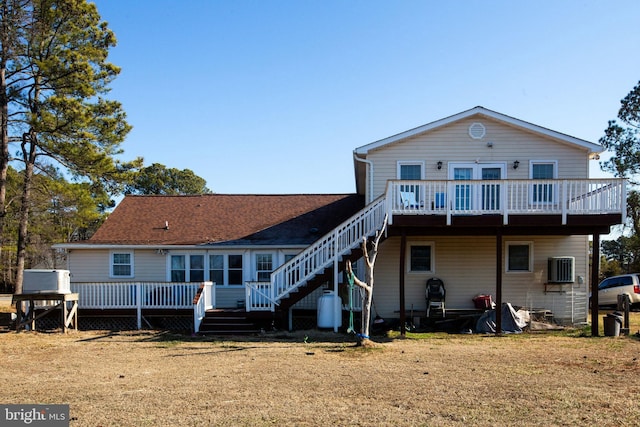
{"x":223,"y":219}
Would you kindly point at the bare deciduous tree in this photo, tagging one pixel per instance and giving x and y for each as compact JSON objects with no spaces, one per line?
{"x":367,"y":285}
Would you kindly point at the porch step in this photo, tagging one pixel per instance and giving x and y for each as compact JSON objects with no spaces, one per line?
{"x":227,"y":322}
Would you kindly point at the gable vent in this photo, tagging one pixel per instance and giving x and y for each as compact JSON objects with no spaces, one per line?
{"x":477,"y":130}
{"x":561,"y":270}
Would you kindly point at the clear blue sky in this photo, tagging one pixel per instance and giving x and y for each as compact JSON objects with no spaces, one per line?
{"x":273,"y":96}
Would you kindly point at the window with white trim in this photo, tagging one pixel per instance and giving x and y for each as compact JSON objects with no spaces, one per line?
{"x":216,"y":269}
{"x":264,"y":266}
{"x":410,"y":171}
{"x":178,"y":268}
{"x":187,"y":268}
{"x":196,"y":268}
{"x":121,"y":264}
{"x":519,"y":256}
{"x":235,"y":270}
{"x":547,"y":170}
{"x":420,"y":257}
{"x":226,"y":269}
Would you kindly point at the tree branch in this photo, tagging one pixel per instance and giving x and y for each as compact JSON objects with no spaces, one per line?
{"x":356,"y":281}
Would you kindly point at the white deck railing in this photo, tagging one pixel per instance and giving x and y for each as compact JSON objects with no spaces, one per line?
{"x":263,"y":296}
{"x":507,"y":197}
{"x":204,"y":300}
{"x":137,"y":295}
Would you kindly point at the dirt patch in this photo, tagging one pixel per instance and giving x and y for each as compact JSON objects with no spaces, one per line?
{"x":311,"y":378}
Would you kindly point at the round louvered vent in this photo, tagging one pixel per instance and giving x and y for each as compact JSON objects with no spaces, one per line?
{"x":477,"y":131}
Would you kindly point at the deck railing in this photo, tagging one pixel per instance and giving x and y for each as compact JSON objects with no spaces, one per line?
{"x":137,"y":295}
{"x":263,"y":296}
{"x":507,"y":197}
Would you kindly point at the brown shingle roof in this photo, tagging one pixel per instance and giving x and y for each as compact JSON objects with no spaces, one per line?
{"x":225,"y":219}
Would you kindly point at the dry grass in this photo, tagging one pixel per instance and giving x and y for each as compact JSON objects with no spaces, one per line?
{"x":5,"y":304}
{"x":156,"y":379}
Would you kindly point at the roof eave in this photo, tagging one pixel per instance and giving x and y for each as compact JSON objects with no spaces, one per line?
{"x":72,"y":246}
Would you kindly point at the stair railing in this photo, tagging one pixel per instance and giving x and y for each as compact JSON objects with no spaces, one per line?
{"x":321,"y":254}
{"x":204,"y":300}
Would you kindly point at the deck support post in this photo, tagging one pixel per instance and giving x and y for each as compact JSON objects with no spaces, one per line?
{"x":139,"y":305}
{"x":290,"y":318}
{"x":595,"y":272}
{"x":403,"y":250}
{"x":337,"y":308}
{"x":498,"y":281}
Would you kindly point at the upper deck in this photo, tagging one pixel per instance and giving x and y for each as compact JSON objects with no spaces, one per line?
{"x":507,"y":202}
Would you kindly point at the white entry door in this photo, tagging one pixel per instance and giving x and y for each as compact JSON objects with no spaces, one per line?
{"x":477,"y":196}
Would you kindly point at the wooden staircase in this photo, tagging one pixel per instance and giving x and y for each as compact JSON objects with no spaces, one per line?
{"x":229,"y":322}
{"x":316,"y":281}
{"x":306,"y":271}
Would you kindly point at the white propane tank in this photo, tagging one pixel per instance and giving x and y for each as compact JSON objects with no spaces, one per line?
{"x":326,"y":310}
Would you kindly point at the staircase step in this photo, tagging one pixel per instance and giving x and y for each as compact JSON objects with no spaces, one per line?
{"x":227,"y":322}
{"x":229,"y":326}
{"x":229,"y":332}
{"x":236,"y":329}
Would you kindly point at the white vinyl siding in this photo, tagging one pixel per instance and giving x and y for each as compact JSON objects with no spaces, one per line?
{"x":94,"y":265}
{"x":452,"y":143}
{"x":477,"y":274}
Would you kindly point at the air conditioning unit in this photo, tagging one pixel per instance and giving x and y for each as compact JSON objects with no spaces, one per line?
{"x":561,"y":269}
{"x":46,"y":281}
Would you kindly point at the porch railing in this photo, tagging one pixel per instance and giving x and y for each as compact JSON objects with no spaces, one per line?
{"x":136,"y":295}
{"x":263,"y":296}
{"x":507,"y":197}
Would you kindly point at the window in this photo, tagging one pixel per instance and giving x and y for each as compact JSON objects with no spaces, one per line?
{"x":420,"y":259}
{"x":264,"y":266}
{"x":122,"y":264}
{"x":196,"y":268}
{"x":235,"y":270}
{"x":226,"y":270}
{"x":543,"y":193}
{"x":187,"y":268}
{"x":216,"y":269}
{"x":519,"y":256}
{"x":407,"y":170}
{"x":178,"y":270}
{"x":410,"y":171}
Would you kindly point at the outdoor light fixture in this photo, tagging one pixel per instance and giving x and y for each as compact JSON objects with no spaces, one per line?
{"x":516,"y":164}
{"x":439,"y":165}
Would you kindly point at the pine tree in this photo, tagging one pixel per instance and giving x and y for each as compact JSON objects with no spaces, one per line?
{"x":56,"y":100}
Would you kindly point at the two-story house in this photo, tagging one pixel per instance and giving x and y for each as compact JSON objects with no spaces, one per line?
{"x":488,"y":203}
